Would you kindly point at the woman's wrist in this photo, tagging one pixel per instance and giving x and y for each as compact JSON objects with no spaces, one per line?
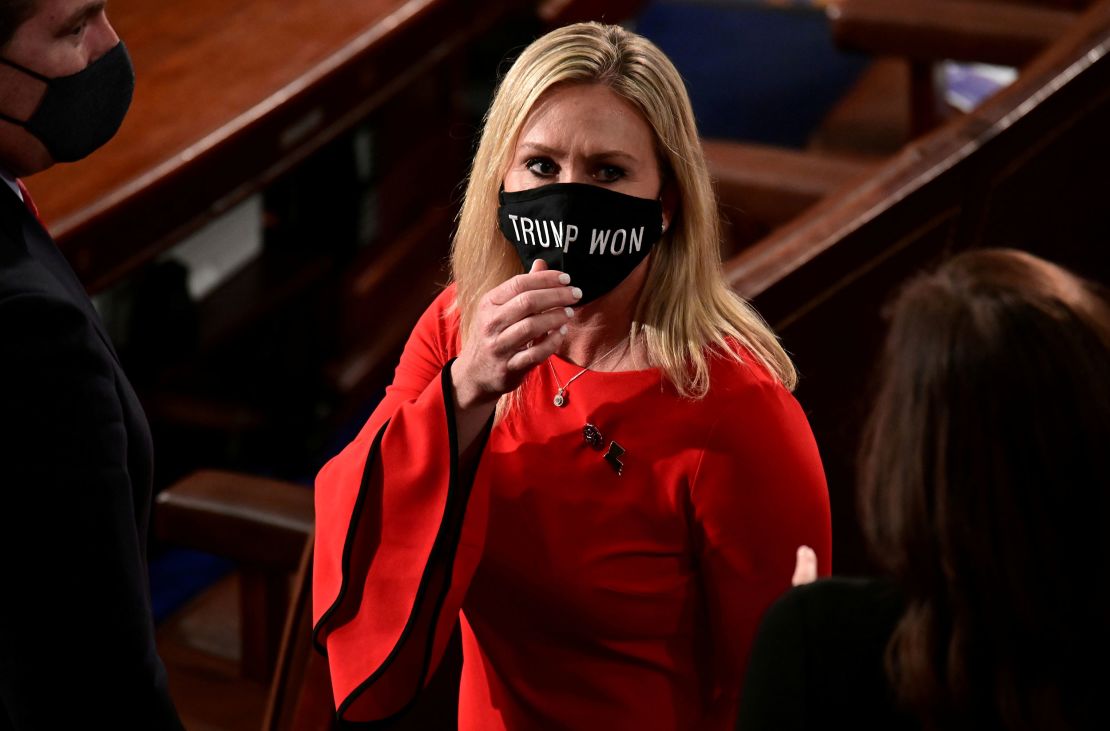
{"x":467,"y":395}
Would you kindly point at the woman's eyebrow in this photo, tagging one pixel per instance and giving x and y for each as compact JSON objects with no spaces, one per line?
{"x":610,"y":154}
{"x":539,"y":147}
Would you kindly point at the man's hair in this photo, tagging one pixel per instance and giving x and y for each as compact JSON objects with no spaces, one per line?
{"x":12,"y":15}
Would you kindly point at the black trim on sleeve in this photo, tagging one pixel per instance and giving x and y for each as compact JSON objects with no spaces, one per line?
{"x":443,"y":548}
{"x":348,"y":543}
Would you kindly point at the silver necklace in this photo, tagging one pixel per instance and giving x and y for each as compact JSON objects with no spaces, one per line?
{"x":561,"y":396}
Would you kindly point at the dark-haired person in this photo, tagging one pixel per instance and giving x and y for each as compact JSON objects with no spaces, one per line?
{"x":984,"y":477}
{"x":76,"y":636}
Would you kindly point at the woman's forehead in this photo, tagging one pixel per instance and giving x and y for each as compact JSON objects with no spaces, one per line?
{"x":588,"y":119}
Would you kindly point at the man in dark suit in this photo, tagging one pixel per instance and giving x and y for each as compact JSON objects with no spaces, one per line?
{"x":76,"y":636}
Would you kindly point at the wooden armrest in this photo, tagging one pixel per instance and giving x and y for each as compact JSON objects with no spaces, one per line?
{"x":930,"y":30}
{"x":773,"y":185}
{"x":252,"y":520}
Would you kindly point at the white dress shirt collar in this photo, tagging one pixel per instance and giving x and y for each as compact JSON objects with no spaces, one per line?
{"x":10,"y":180}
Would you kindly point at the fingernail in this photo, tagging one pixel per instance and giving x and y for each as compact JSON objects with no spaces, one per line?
{"x":569,"y":311}
{"x":563,"y":330}
{"x":564,"y":278}
{"x":576,"y":292}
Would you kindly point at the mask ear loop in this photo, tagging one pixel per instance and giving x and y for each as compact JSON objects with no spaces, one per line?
{"x":24,"y":70}
{"x":13,"y":120}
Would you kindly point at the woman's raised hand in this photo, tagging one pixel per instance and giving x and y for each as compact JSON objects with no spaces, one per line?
{"x":518,"y":325}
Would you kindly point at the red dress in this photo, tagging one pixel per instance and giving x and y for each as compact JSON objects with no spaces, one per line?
{"x":589,"y":599}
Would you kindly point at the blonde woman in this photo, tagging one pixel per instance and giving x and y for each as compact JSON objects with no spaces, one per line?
{"x":589,"y":455}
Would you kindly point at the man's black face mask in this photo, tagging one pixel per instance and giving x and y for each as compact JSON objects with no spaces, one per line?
{"x":595,"y":235}
{"x":82,"y":111}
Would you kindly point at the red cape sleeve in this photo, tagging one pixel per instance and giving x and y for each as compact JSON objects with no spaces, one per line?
{"x":399,"y":532}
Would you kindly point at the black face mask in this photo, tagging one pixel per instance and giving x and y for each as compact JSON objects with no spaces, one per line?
{"x":595,"y":235}
{"x":80,"y":112}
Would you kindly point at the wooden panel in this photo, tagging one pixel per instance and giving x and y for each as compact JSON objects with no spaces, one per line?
{"x":200,"y":648}
{"x":230,"y":95}
{"x":1048,"y":194}
{"x":384,"y":294}
{"x":835,"y":340}
{"x":773,"y":185}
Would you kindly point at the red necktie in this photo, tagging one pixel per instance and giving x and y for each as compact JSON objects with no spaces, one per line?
{"x":28,"y":201}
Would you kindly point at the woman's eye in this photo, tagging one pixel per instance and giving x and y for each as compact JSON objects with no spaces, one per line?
{"x":609,"y":173}
{"x":541,"y":166}
{"x":76,"y":30}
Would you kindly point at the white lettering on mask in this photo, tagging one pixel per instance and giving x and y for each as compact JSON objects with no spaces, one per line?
{"x":526,"y":229}
{"x":623,"y":236}
{"x":636,"y":240}
{"x":545,"y":240}
{"x":543,"y":232}
{"x":599,"y":240}
{"x":616,"y":241}
{"x":557,"y":233}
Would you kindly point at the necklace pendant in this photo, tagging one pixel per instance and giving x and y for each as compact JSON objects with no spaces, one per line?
{"x":560,"y":399}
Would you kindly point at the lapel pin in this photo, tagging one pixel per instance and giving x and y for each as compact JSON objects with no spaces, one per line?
{"x":613,"y":456}
{"x":593,"y":437}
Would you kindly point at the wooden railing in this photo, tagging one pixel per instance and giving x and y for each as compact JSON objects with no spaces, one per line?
{"x":1027,"y":169}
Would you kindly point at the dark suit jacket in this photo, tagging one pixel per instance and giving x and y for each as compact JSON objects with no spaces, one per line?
{"x":817,"y":662}
{"x":76,"y":635}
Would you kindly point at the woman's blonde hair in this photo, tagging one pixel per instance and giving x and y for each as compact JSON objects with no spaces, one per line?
{"x":688,"y":306}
